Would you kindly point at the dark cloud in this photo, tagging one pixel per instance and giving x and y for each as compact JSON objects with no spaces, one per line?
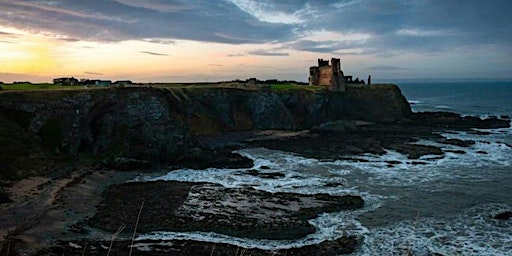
{"x":393,"y":26}
{"x":329,"y":46}
{"x":103,"y":20}
{"x":267,"y":53}
{"x":154,"y":53}
{"x":69,"y":39}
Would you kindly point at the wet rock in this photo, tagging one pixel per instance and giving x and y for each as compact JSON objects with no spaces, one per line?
{"x":506,"y":215}
{"x":344,"y":245}
{"x":458,"y":142}
{"x":266,"y":175}
{"x":241,"y":212}
{"x":418,"y":163}
{"x":461,"y":152}
{"x":415,"y":151}
{"x":127,"y":164}
{"x":477,"y":132}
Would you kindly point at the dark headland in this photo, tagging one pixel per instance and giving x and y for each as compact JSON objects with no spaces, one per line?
{"x":65,"y":157}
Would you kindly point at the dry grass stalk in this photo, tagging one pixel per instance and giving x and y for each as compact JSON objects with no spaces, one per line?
{"x":409,"y":248}
{"x":118,"y":231}
{"x":213,"y":249}
{"x":135,"y":229}
{"x":85,"y":248}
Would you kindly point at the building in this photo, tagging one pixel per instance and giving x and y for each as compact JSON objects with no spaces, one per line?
{"x":123,"y":83}
{"x":66,"y":81}
{"x":328,"y":75}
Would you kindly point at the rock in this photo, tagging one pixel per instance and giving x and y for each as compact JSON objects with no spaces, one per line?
{"x":482,"y":152}
{"x":456,"y":151}
{"x":4,"y":198}
{"x":336,"y":126}
{"x":506,"y":215}
{"x":128,"y":164}
{"x":415,"y":151}
{"x":458,"y":142}
{"x":418,"y":163}
{"x":240,"y":212}
{"x":266,"y":175}
{"x":343,"y":245}
{"x":477,"y":132}
{"x":456,"y":121}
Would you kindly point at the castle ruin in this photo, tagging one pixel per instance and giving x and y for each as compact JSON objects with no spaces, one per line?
{"x":328,"y":75}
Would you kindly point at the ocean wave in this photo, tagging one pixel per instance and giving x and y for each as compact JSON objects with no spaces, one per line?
{"x":473,"y":232}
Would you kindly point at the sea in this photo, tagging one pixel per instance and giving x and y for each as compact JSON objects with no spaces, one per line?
{"x":444,"y":207}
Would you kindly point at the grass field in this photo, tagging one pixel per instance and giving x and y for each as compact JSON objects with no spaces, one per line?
{"x":47,"y":86}
{"x":280,"y":87}
{"x":44,"y":86}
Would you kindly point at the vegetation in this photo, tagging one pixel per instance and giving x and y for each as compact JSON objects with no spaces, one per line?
{"x":280,"y":87}
{"x":42,"y":86}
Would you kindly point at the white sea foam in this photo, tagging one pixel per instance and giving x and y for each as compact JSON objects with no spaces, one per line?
{"x":473,"y":232}
{"x":301,"y":175}
{"x":459,"y":235}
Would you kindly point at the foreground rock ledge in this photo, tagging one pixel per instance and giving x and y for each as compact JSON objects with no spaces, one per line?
{"x":240,"y":212}
{"x":344,"y":245}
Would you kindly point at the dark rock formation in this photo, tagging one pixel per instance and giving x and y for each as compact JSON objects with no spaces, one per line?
{"x":152,"y":125}
{"x":241,"y":212}
{"x":503,"y":215}
{"x":457,"y":142}
{"x":4,"y":198}
{"x":160,"y":125}
{"x":344,"y":245}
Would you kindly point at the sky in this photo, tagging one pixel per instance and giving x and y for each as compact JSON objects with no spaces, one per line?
{"x":216,"y":40}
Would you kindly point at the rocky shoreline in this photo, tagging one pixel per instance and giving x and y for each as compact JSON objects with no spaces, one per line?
{"x":75,"y":207}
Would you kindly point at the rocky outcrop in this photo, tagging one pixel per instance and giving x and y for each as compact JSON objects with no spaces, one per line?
{"x":239,"y":212}
{"x":161,"y":125}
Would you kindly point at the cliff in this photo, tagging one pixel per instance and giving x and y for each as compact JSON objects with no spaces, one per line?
{"x":162,"y":125}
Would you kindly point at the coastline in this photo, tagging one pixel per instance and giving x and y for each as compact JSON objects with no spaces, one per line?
{"x":329,"y":138}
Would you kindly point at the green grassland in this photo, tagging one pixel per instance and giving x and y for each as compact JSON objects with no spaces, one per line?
{"x":42,"y":86}
{"x":48,"y":86}
{"x":283,"y":87}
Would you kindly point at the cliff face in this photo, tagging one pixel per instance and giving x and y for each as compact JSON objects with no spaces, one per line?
{"x":159,"y":125}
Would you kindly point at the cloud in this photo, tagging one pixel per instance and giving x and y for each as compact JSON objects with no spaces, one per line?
{"x":154,"y":53}
{"x":385,"y":68}
{"x":382,"y":27}
{"x":267,"y":13}
{"x":236,"y":55}
{"x":156,"y":5}
{"x":215,"y":65}
{"x":93,"y":73}
{"x":421,"y":32}
{"x":102,"y":20}
{"x":267,"y":53}
{"x":69,"y":39}
{"x":159,"y":41}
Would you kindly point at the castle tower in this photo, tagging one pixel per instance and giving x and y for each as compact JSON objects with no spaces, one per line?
{"x":328,"y":75}
{"x":337,"y":79}
{"x":314,"y":75}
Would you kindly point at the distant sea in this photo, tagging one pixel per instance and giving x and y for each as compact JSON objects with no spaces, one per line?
{"x":443,"y":207}
{"x":481,"y":98}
